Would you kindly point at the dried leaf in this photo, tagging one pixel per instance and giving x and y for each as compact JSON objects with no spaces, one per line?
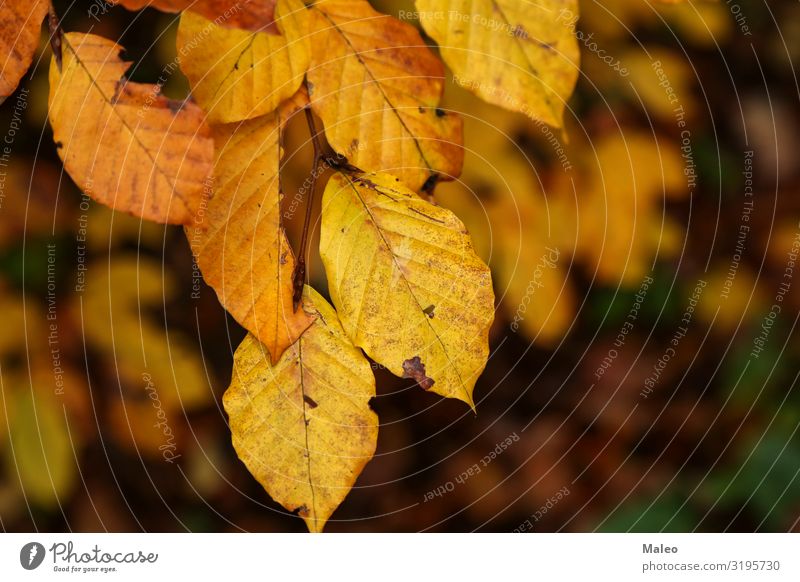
{"x":519,"y":55}
{"x":237,"y":74}
{"x":20,"y":24}
{"x":238,"y":239}
{"x":124,"y":144}
{"x":304,"y":427}
{"x":406,"y":282}
{"x":377,"y":87}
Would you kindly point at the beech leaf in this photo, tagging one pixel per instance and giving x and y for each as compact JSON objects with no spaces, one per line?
{"x":303,"y":427}
{"x":237,"y":236}
{"x":20,"y":24}
{"x":376,"y":85}
{"x":406,"y":282}
{"x":517,"y":54}
{"x":123,"y":143}
{"x":239,"y":74}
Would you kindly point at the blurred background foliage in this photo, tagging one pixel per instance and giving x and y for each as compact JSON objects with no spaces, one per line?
{"x":109,"y":338}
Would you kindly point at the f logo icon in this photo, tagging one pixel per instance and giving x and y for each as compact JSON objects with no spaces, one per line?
{"x":31,"y":555}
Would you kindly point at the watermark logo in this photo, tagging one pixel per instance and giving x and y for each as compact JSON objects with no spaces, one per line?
{"x":31,"y":555}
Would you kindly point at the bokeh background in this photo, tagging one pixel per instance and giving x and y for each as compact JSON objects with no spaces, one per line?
{"x":644,"y":372}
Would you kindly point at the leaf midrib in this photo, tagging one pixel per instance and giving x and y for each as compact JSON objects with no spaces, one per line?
{"x":122,"y":120}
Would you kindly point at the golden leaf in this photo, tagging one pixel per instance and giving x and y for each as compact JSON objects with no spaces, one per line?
{"x":376,"y":85}
{"x":533,"y":253}
{"x":406,"y":282}
{"x":238,"y":239}
{"x":238,"y":74}
{"x":303,"y":427}
{"x":20,"y":24}
{"x":519,"y":55}
{"x":123,"y":143}
{"x":620,"y":207}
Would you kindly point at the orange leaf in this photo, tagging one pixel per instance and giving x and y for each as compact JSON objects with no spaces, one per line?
{"x":20,"y":22}
{"x":238,"y":238}
{"x":123,"y":143}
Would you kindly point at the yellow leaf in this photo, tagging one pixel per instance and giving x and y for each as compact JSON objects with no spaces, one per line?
{"x":533,"y":254}
{"x":406,"y":282}
{"x":114,"y":317}
{"x":125,"y":145}
{"x":238,"y":74}
{"x":40,"y":452}
{"x":649,"y":73}
{"x":377,"y":87}
{"x":20,"y":23}
{"x":238,"y":238}
{"x":621,"y":201}
{"x":519,"y":55}
{"x":250,"y":15}
{"x":705,"y":23}
{"x":303,"y":427}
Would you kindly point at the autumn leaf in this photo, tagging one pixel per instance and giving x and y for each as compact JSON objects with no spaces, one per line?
{"x":252,"y":15}
{"x":238,"y":238}
{"x":620,"y":210}
{"x":406,"y":282}
{"x":20,"y":24}
{"x":303,"y":426}
{"x":377,"y":87}
{"x":239,"y":74}
{"x":112,"y":316}
{"x":125,"y":145}
{"x":40,"y":449}
{"x":519,"y":55}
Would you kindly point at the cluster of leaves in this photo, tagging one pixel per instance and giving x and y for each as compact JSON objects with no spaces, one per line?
{"x":408,"y":288}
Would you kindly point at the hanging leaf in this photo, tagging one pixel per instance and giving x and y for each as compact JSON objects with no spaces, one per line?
{"x":238,"y":239}
{"x":519,"y":55}
{"x":238,"y":74}
{"x":20,"y":24}
{"x":406,"y":282}
{"x":377,"y":87}
{"x":123,"y":143}
{"x":303,"y":427}
{"x":252,"y":15}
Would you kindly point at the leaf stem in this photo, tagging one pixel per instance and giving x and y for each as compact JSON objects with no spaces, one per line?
{"x":299,"y":275}
{"x":54,"y":25}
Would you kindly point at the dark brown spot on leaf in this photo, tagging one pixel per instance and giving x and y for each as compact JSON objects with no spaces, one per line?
{"x":430,"y":183}
{"x":429,"y":310}
{"x":174,"y":105}
{"x":309,"y":401}
{"x":303,"y":511}
{"x":440,"y":112}
{"x":414,"y":368}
